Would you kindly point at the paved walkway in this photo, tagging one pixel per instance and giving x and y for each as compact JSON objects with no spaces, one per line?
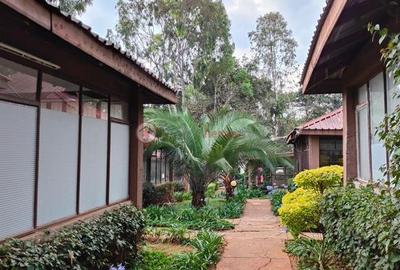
{"x":257,"y":241}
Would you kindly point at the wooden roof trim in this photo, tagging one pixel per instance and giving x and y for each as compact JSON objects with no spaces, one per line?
{"x":81,"y":38}
{"x":334,"y":10}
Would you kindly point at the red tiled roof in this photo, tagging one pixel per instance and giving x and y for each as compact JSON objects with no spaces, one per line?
{"x":329,"y":121}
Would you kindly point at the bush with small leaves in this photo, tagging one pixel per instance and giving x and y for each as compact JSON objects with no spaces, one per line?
{"x":320,"y":179}
{"x":300,"y":211}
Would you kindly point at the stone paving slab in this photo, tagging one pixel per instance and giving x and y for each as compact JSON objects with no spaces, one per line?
{"x":257,"y":242}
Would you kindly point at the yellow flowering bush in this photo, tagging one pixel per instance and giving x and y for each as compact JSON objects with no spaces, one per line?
{"x":320,"y":179}
{"x":300,"y":210}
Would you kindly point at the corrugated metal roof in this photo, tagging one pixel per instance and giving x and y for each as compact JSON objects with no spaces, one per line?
{"x":317,"y":31}
{"x":108,"y":44}
{"x":329,"y":121}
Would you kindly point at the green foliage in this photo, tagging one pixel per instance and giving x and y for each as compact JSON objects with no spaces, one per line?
{"x":211,"y":190}
{"x":207,"y":246}
{"x":363,"y":227}
{"x":110,"y":239}
{"x":182,"y":196}
{"x":388,"y":131}
{"x":320,"y":179}
{"x":276,"y":200}
{"x":300,"y":211}
{"x":188,"y":217}
{"x":72,"y":7}
{"x":313,"y":254}
{"x":174,"y":234}
{"x":218,"y":143}
{"x":160,"y":194}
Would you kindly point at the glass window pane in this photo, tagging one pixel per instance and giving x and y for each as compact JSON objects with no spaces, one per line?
{"x":17,"y":80}
{"x":393,"y":99}
{"x":362,"y":95}
{"x":363,"y":149}
{"x":59,"y":95}
{"x":119,"y":110}
{"x":94,"y":105}
{"x":330,"y":151}
{"x":377,"y":111}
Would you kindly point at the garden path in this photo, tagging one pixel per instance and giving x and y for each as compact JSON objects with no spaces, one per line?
{"x":257,"y":242}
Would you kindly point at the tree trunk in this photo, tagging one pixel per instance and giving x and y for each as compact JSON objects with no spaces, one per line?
{"x":228,"y":187}
{"x":198,"y":199}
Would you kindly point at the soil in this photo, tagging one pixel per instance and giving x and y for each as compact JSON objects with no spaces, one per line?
{"x":169,"y":249}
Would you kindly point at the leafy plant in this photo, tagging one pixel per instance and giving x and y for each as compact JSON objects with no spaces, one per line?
{"x":313,"y":254}
{"x":207,"y":246}
{"x":300,"y":211}
{"x":389,"y":132}
{"x":276,"y":200}
{"x":190,"y":218}
{"x":110,"y":239}
{"x":211,"y":190}
{"x":182,"y":196}
{"x":206,"y":148}
{"x":320,"y":179}
{"x":363,"y":227}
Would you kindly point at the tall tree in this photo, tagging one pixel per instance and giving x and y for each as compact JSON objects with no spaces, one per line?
{"x":178,"y":39}
{"x":72,"y":7}
{"x":273,"y":48}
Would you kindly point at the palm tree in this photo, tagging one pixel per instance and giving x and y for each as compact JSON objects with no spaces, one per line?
{"x":207,"y":147}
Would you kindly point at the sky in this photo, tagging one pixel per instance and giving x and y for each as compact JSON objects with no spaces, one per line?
{"x":301,"y":15}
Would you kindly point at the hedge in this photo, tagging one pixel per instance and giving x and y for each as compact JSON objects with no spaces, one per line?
{"x":363,"y":228}
{"x":110,"y":239}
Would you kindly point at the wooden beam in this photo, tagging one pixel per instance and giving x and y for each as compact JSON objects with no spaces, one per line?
{"x":136,"y":152}
{"x":326,"y":30}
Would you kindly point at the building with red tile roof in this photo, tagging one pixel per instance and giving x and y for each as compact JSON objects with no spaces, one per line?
{"x":318,"y":142}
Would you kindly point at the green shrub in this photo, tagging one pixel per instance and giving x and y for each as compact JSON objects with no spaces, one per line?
{"x":276,"y":200}
{"x":362,"y":227}
{"x":211,"y":190}
{"x":300,"y":211}
{"x":188,"y":217}
{"x":160,"y":194}
{"x":182,"y":196}
{"x":207,"y":246}
{"x":320,"y":179}
{"x":312,"y":254}
{"x":110,"y":239}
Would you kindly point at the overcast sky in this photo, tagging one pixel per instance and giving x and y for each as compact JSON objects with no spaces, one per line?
{"x":301,"y":15}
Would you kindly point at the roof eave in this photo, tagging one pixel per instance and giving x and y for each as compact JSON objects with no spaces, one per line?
{"x":326,"y":24}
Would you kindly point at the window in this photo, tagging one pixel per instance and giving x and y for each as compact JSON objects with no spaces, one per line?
{"x":330,"y":151}
{"x":58,"y":149}
{"x":377,"y":112}
{"x":59,"y":95}
{"x":17,"y":81}
{"x":392,"y":99}
{"x":94,"y":148}
{"x":119,"y":110}
{"x":17,"y":167}
{"x":363,"y":136}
